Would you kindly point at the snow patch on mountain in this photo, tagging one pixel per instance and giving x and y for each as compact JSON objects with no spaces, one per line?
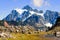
{"x":48,"y":25}
{"x":20,"y":10}
{"x":41,"y":14}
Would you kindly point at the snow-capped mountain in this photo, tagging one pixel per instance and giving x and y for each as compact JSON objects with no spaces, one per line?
{"x":27,"y":15}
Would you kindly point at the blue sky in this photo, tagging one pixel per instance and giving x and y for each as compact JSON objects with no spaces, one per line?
{"x":6,"y":6}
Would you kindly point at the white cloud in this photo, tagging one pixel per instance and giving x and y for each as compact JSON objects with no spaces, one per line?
{"x":39,"y":3}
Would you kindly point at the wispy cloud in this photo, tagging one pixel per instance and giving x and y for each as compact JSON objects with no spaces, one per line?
{"x":39,"y":3}
{"x":46,"y":3}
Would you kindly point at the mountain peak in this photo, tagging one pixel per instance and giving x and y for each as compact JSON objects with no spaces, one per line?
{"x":27,"y":7}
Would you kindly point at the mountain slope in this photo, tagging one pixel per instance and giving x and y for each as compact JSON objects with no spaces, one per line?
{"x":33,"y":17}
